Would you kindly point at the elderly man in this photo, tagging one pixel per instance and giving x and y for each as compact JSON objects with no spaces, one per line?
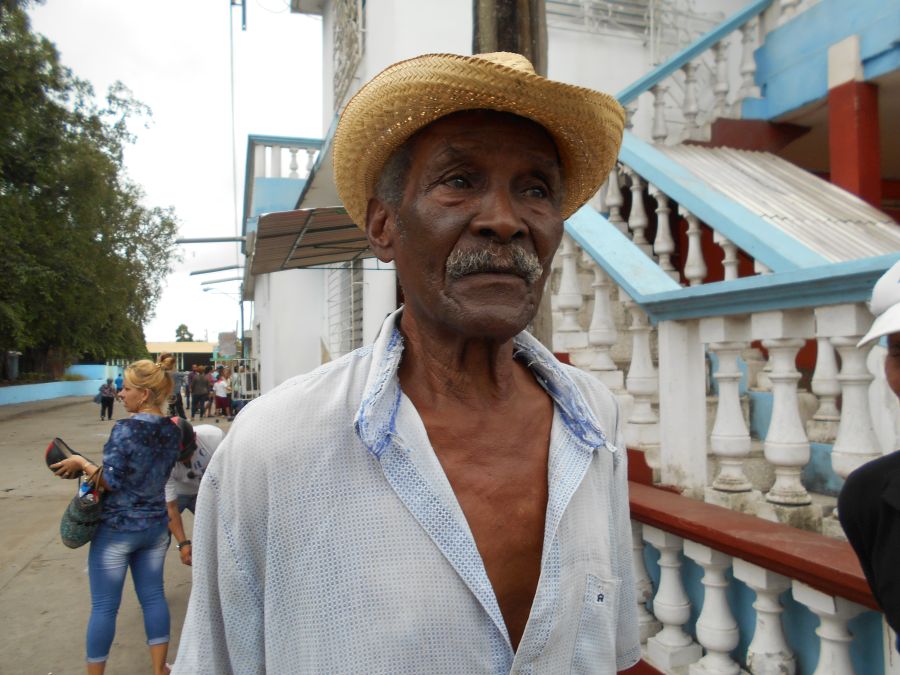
{"x":451,"y":499}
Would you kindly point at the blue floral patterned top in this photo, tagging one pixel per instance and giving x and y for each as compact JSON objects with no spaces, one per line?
{"x":137,"y":460}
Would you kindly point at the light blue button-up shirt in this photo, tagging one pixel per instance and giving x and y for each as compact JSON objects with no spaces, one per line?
{"x":328,"y":538}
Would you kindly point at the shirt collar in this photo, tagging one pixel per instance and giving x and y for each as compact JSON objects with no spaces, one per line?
{"x":376,"y":417}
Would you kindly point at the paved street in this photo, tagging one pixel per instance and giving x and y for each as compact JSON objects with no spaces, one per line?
{"x":44,"y":595}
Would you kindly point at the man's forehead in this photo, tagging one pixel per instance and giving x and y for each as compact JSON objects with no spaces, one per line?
{"x":460,"y":134}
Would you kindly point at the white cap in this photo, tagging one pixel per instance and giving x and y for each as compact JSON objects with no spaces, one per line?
{"x":208,"y":437}
{"x":885,"y":305}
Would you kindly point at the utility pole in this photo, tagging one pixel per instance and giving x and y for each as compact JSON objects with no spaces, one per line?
{"x":518,"y":26}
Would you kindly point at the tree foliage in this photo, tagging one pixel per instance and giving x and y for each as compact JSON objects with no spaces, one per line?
{"x":182,"y":334}
{"x":82,"y":257}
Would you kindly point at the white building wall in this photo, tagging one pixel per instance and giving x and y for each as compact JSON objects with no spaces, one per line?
{"x":379,"y":296}
{"x":287,"y":317}
{"x":396,"y":30}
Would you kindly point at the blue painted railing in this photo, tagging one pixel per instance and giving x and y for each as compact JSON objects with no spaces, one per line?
{"x":757,"y":237}
{"x":692,"y":51}
{"x":663,"y":299}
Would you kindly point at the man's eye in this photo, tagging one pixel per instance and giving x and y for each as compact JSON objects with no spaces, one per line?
{"x":537,"y":192}
{"x":457,"y":182}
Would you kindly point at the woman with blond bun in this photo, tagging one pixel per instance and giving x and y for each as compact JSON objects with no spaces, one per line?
{"x":133,"y":531}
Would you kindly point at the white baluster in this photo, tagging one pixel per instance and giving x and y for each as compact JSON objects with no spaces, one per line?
{"x":695,"y":266}
{"x":670,"y":647}
{"x":720,"y":90}
{"x":822,"y":428}
{"x":615,"y":201}
{"x":647,"y":623}
{"x":690,"y":106}
{"x":598,"y":201}
{"x":717,"y":631}
{"x":786,"y":446}
{"x":856,"y":442}
{"x":630,"y":109}
{"x":637,"y":218}
{"x":293,"y":166}
{"x":275,"y":162}
{"x":730,"y":440}
{"x":569,"y":335}
{"x":748,"y":63}
{"x":602,"y":334}
{"x":768,"y":653}
{"x":788,"y":11}
{"x":663,"y":245}
{"x":730,"y":262}
{"x":834,"y":638}
{"x":310,"y":159}
{"x":642,"y":382}
{"x":660,"y":130}
{"x":760,"y":268}
{"x":259,"y":161}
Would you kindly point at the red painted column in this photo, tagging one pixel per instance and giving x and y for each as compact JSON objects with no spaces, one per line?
{"x":853,"y":140}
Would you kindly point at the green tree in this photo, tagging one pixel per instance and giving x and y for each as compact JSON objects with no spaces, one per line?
{"x":83,"y":257}
{"x":182,"y":334}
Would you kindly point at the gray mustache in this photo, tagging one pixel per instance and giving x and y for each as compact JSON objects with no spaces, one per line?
{"x":512,"y":260}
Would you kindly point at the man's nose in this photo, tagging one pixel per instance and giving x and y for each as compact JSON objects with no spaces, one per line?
{"x":497,"y":218}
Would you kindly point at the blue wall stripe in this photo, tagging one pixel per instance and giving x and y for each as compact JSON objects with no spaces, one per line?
{"x":792,"y":64}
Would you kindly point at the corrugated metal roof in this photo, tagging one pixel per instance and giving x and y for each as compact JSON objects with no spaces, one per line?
{"x":830,"y":221}
{"x":306,"y":237}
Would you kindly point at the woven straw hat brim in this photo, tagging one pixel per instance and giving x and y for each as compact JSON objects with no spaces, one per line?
{"x":586,"y":125}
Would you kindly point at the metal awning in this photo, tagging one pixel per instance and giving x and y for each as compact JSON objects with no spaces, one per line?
{"x":305,"y":237}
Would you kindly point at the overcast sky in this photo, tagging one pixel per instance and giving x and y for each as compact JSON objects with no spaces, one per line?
{"x":175,"y":56}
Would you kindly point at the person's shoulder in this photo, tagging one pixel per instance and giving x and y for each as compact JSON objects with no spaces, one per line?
{"x":871,"y":475}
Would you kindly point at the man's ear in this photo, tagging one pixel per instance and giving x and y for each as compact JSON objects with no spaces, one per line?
{"x":381,"y":229}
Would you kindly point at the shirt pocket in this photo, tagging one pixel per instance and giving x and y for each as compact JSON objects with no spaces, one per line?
{"x":595,"y":642}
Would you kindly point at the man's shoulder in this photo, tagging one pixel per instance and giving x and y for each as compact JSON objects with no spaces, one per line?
{"x":319,"y":401}
{"x":597,"y":395}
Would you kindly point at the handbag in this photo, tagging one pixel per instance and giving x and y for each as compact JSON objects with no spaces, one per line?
{"x":97,"y":398}
{"x":82,"y":514}
{"x":57,"y":451}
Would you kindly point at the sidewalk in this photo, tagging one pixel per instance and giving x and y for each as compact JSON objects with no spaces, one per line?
{"x":44,"y":594}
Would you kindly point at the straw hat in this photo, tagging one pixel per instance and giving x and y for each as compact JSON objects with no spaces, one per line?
{"x":586,"y":125}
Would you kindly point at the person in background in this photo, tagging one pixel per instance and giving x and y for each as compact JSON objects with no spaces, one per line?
{"x":119,"y":381}
{"x":107,"y":398}
{"x":176,"y":404}
{"x":199,"y":393}
{"x":184,"y":483}
{"x":133,"y":532}
{"x":222,"y":404}
{"x":211,"y":376}
{"x":188,"y":378}
{"x":869,"y":503}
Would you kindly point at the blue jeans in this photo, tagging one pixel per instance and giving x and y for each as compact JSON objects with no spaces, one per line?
{"x":111,"y":554}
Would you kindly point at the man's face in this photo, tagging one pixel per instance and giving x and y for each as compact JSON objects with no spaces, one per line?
{"x":478,"y":224}
{"x":892,"y":363}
